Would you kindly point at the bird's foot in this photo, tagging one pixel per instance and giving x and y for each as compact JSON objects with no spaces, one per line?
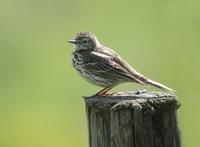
{"x":139,"y":92}
{"x":103,"y":92}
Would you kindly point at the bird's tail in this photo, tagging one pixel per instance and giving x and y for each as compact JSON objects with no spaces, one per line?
{"x":159,"y":85}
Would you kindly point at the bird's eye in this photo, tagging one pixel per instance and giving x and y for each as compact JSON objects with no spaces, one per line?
{"x":84,"y":41}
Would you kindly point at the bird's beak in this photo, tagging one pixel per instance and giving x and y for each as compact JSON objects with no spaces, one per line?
{"x":72,"y":41}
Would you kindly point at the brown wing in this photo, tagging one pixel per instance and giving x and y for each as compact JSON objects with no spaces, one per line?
{"x":124,"y":65}
{"x":114,"y":66}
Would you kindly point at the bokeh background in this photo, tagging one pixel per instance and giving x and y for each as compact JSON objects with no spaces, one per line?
{"x":41,"y":102}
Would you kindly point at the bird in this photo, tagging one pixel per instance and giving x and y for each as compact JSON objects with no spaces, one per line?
{"x":102,"y":66}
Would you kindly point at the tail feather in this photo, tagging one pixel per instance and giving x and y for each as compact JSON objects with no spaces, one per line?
{"x":159,"y":85}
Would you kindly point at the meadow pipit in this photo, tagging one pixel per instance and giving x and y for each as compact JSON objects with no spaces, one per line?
{"x":102,"y":66}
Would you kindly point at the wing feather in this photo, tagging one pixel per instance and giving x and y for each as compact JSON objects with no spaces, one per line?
{"x":112,"y":66}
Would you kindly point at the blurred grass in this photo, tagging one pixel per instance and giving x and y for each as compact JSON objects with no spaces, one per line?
{"x":40,"y":93}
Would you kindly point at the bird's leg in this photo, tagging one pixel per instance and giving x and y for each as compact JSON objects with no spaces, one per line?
{"x":103,"y":91}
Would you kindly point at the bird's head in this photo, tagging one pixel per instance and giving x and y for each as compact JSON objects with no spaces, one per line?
{"x":84,"y":41}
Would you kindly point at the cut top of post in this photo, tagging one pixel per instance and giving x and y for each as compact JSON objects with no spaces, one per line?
{"x":134,"y":99}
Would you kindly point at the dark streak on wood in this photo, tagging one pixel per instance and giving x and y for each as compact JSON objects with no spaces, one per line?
{"x":128,"y":119}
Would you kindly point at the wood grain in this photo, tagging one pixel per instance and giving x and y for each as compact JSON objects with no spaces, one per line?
{"x":132,"y":119}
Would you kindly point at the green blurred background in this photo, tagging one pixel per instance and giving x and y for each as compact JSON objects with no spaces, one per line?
{"x":41,"y":102}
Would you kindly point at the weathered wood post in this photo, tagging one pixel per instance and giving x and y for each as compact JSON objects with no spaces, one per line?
{"x":130,"y":119}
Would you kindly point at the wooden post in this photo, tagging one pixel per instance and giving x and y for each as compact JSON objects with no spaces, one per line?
{"x":132,"y":119}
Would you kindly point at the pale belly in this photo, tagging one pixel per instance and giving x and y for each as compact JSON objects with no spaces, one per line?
{"x":94,"y":79}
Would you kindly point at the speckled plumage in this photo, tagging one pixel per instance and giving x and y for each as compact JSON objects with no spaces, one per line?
{"x":102,"y":66}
